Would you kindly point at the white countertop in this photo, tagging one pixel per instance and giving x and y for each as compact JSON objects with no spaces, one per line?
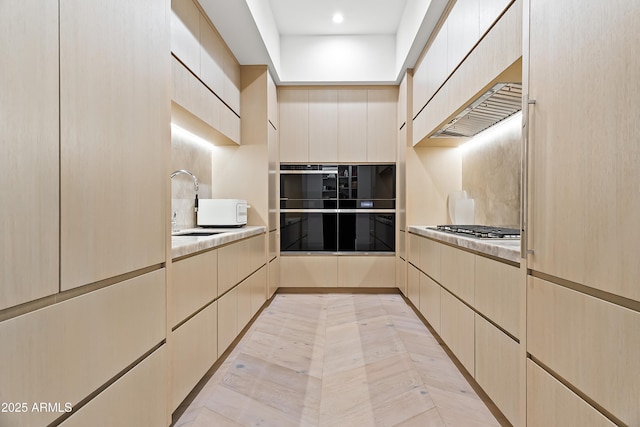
{"x":508,"y":249}
{"x":186,"y":245}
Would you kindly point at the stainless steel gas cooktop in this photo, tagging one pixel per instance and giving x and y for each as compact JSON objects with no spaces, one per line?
{"x":481,"y":231}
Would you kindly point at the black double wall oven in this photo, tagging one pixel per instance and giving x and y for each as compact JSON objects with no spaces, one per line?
{"x":337,"y":208}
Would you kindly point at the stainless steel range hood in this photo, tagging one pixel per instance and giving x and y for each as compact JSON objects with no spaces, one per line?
{"x":501,"y":101}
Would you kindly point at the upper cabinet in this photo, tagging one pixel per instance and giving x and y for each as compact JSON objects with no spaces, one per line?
{"x":114,"y":138}
{"x":214,"y":89}
{"x":338,"y":124}
{"x":474,"y":47}
{"x":30,"y":151}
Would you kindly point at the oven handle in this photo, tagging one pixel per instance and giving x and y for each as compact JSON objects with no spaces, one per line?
{"x":365,"y":211}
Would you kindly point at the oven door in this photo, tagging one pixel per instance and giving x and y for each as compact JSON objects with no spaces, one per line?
{"x":309,"y":231}
{"x":366,"y":231}
{"x":316,"y":189}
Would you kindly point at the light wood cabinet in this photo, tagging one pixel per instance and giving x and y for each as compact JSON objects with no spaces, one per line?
{"x":457,"y":329}
{"x":592,"y":344}
{"x":258,"y":290}
{"x":194,"y":284}
{"x":430,"y":258}
{"x":463,"y":31}
{"x":323,"y":125}
{"x":294,"y":124}
{"x":228,"y":275}
{"x":227,"y":320}
{"x":121,"y":404}
{"x":30,"y":150}
{"x":352,"y":125}
{"x":497,"y":368}
{"x":274,"y":276}
{"x":550,"y":403}
{"x":185,"y":33}
{"x":272,"y":102}
{"x":212,"y":48}
{"x":498,"y":287}
{"x":401,"y":275}
{"x":194,"y":349}
{"x":366,"y":271}
{"x":112,"y":204}
{"x":413,"y":285}
{"x":54,"y":355}
{"x":583,"y":137}
{"x":232,"y":81}
{"x":430,"y":301}
{"x":458,"y":272}
{"x":415,"y":246}
{"x":244,"y":303}
{"x":308,"y":271}
{"x":381,"y":130}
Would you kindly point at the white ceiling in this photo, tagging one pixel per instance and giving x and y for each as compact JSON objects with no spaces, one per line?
{"x":314,"y":17}
{"x":376,"y":43}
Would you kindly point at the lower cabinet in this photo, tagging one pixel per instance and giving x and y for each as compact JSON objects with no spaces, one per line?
{"x":194,"y":349}
{"x":457,"y":329}
{"x":274,"y":277}
{"x":401,"y":275}
{"x":366,"y":271}
{"x":308,"y":271}
{"x":138,"y":398}
{"x":413,"y":285}
{"x":430,"y":301}
{"x":550,"y":403}
{"x":498,"y":368}
{"x":227,"y":319}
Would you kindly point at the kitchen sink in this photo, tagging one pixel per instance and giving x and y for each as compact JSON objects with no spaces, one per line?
{"x":196,"y":233}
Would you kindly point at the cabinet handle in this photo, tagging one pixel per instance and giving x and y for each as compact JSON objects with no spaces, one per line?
{"x":524,"y":193}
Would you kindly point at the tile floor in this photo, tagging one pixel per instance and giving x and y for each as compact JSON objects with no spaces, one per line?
{"x":337,"y":360}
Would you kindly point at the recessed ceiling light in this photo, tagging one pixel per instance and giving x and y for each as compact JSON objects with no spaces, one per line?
{"x":338,"y":18}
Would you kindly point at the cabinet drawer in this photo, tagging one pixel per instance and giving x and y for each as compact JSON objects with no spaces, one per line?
{"x":457,"y":329}
{"x":193,"y":352}
{"x":258,"y":289}
{"x":227,"y":320}
{"x":497,"y":368}
{"x":194,"y":284}
{"x":591,"y":343}
{"x":430,"y":258}
{"x":497,"y":293}
{"x":64,"y":352}
{"x":430,"y":301}
{"x":121,"y":403}
{"x":457,"y":272}
{"x":413,"y":285}
{"x":366,"y":271}
{"x":550,"y":403}
{"x":308,"y":271}
{"x":415,"y":242}
{"x":401,"y":275}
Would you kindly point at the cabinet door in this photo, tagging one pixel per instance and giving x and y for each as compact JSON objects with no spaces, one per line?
{"x":258,"y":290}
{"x":550,"y":403}
{"x":498,"y":287}
{"x":457,"y":329}
{"x":193,"y":351}
{"x":227,"y":320}
{"x":114,"y":118}
{"x":211,"y":57}
{"x":309,"y":271}
{"x":323,"y":125}
{"x":244,"y":302}
{"x":457,"y":272}
{"x":194,"y":284}
{"x":381,"y":124}
{"x":231,"y":94}
{"x":121,"y":404}
{"x":294,"y":125}
{"x":584,"y":201}
{"x":185,"y":33}
{"x":228,"y":261}
{"x":274,"y":276}
{"x":413,"y":285}
{"x":29,"y":151}
{"x":497,"y":368}
{"x":352,"y":125}
{"x":430,"y":301}
{"x":430,"y":257}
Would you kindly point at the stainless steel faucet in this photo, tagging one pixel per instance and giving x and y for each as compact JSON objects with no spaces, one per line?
{"x":196,"y":187}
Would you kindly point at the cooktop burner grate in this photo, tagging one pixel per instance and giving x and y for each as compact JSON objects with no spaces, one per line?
{"x":481,"y":231}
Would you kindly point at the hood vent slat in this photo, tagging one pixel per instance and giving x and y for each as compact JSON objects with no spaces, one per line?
{"x":501,"y":101}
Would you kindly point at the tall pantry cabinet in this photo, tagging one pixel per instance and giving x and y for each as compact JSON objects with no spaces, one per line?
{"x":85,"y":148}
{"x":583,"y":210}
